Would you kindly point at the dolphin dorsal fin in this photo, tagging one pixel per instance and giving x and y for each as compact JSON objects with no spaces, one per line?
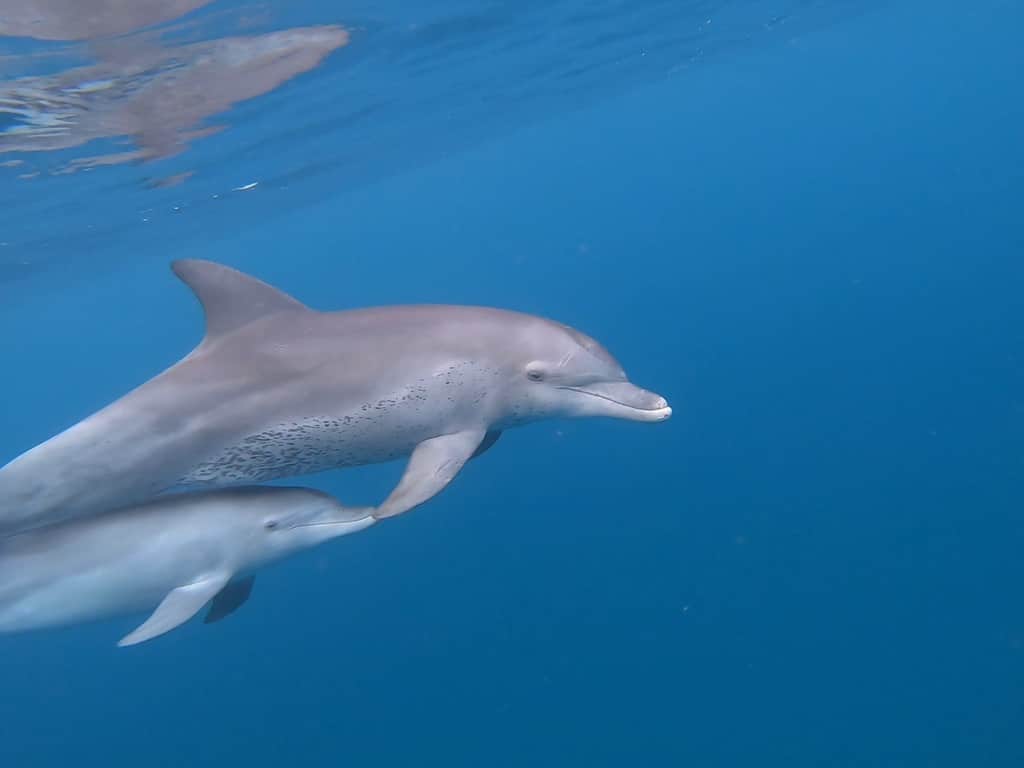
{"x":231,"y":298}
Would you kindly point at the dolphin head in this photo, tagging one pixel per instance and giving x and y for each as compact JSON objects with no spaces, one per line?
{"x":559,"y":372}
{"x":288,"y":520}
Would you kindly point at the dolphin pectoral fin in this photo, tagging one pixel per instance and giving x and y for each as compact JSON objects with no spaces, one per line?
{"x":431,"y":467}
{"x":229,"y":599}
{"x":485,"y":445}
{"x":177,"y":607}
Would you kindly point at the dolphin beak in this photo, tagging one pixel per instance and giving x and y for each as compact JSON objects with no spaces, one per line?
{"x":623,"y":400}
{"x":345,"y":520}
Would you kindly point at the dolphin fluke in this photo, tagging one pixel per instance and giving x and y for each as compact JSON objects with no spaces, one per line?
{"x":231,"y":299}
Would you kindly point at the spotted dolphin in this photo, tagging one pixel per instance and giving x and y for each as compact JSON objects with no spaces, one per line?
{"x":277,"y":389}
{"x":176,"y":554}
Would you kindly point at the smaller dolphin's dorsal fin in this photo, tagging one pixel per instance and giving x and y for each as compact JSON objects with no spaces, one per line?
{"x":231,"y":298}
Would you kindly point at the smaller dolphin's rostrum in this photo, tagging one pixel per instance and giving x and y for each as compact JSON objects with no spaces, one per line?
{"x":277,"y":390}
{"x":175,"y":555}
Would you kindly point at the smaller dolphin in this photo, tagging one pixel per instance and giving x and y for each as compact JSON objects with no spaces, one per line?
{"x":175,"y":554}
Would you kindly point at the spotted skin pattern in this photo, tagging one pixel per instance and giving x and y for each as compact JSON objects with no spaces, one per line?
{"x":383,"y":430}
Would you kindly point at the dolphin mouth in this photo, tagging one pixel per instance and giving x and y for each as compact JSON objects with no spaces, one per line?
{"x":623,"y":400}
{"x":353,"y":519}
{"x":354,"y":524}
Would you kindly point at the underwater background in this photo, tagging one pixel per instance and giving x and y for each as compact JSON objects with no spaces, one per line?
{"x":801,"y":222}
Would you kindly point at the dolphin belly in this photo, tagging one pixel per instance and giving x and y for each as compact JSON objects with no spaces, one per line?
{"x":117,"y":563}
{"x":78,"y":599}
{"x":55,"y":588}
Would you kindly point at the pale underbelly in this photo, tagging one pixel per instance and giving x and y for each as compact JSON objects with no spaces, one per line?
{"x":79,"y":598}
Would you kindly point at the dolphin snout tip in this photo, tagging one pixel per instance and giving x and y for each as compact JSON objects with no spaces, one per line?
{"x":659,"y":410}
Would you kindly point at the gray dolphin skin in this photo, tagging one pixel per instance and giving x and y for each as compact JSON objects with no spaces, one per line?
{"x":175,"y":554}
{"x":277,"y":389}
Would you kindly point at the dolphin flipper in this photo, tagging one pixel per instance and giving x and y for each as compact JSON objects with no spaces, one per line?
{"x":489,"y":440}
{"x":230,"y":599}
{"x":177,"y":607}
{"x":431,"y":467}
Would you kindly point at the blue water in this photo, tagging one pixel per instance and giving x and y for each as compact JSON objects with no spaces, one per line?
{"x":804,"y":228}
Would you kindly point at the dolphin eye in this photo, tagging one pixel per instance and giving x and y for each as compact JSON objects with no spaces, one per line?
{"x":535,"y":375}
{"x":270,"y":525}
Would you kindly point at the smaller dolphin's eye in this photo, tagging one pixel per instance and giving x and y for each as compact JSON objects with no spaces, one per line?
{"x":270,"y":525}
